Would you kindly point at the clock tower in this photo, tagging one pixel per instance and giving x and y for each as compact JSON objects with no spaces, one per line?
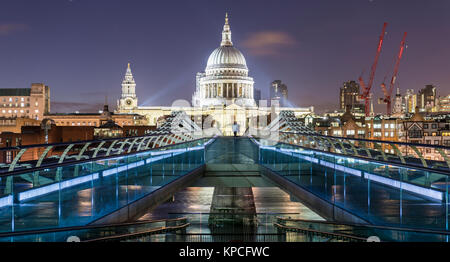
{"x":128,"y":100}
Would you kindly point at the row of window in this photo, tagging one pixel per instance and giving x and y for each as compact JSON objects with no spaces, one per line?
{"x":17,"y":99}
{"x":386,"y":134}
{"x":433,"y":126}
{"x":386,"y":126}
{"x":68,"y":123}
{"x":17,"y":105}
{"x":15,"y":111}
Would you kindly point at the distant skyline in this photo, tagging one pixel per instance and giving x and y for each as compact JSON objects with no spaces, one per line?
{"x":80,"y":48}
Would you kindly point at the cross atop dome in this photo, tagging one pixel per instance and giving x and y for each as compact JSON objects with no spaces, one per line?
{"x":226,"y":33}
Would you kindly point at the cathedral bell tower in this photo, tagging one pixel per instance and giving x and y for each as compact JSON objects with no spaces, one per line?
{"x":128,"y":100}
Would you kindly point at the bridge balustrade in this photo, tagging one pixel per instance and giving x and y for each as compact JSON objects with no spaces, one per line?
{"x":76,"y":192}
{"x":376,"y":189}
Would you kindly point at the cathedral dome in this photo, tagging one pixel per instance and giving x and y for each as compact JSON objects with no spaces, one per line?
{"x":225,"y":80}
{"x":226,"y":57}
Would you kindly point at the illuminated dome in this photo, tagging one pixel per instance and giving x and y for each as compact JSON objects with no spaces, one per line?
{"x":226,"y":57}
{"x":225,"y":80}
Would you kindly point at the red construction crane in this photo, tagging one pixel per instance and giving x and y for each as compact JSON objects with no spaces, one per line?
{"x":388,"y":92}
{"x":366,"y":89}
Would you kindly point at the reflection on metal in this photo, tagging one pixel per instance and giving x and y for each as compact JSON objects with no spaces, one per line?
{"x":132,"y":145}
{"x":344,"y":150}
{"x":98,"y":149}
{"x":83,"y":150}
{"x":399,"y":154}
{"x":16,"y":159}
{"x":63,"y":156}
{"x":380,"y":149}
{"x":444,"y":155}
{"x":331,"y":143}
{"x":363,"y":144}
{"x":122,"y":144}
{"x":44,"y":154}
{"x":111,"y":147}
{"x":419,"y":154}
{"x":149,"y":141}
{"x":141,"y":143}
{"x":354,"y":149}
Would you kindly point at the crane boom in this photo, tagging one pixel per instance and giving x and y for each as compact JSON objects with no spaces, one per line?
{"x":366,"y":89}
{"x":388,"y":92}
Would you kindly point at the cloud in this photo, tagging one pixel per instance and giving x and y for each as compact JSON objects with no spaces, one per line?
{"x":6,"y":29}
{"x":268,"y":43}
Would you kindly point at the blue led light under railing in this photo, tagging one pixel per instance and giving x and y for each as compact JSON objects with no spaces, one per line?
{"x":57,"y":186}
{"x":405,"y":186}
{"x":6,"y":201}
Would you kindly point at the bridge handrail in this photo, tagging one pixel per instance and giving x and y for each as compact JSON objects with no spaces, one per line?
{"x":380,"y":161}
{"x":138,"y":234}
{"x":370,"y":140}
{"x":74,"y":228}
{"x":73,"y":162}
{"x":79,"y":142}
{"x":316,"y":232}
{"x":427,"y":231}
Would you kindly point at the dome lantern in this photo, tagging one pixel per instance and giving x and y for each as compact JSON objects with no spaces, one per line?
{"x":226,"y":33}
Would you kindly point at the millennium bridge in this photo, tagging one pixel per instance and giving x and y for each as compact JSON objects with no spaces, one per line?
{"x":281,"y":183}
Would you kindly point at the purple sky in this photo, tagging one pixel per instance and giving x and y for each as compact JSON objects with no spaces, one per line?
{"x":80,"y":48}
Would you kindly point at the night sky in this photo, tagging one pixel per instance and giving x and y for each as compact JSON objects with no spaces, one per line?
{"x":80,"y":48}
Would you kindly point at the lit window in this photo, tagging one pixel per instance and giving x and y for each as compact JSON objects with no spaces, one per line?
{"x":22,"y":99}
{"x":392,"y":134}
{"x":350,"y":132}
{"x":386,"y":134}
{"x":386,"y":125}
{"x":36,"y":111}
{"x":392,"y":126}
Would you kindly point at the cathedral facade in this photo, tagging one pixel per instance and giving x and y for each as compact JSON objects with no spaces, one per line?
{"x":223,"y":94}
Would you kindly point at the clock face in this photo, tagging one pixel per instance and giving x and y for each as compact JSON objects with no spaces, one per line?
{"x":129,"y":102}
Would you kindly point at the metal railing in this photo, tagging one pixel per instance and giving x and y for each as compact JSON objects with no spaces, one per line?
{"x":364,"y":231}
{"x":92,"y":233}
{"x":78,"y":192}
{"x":26,"y":158}
{"x":412,"y":154}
